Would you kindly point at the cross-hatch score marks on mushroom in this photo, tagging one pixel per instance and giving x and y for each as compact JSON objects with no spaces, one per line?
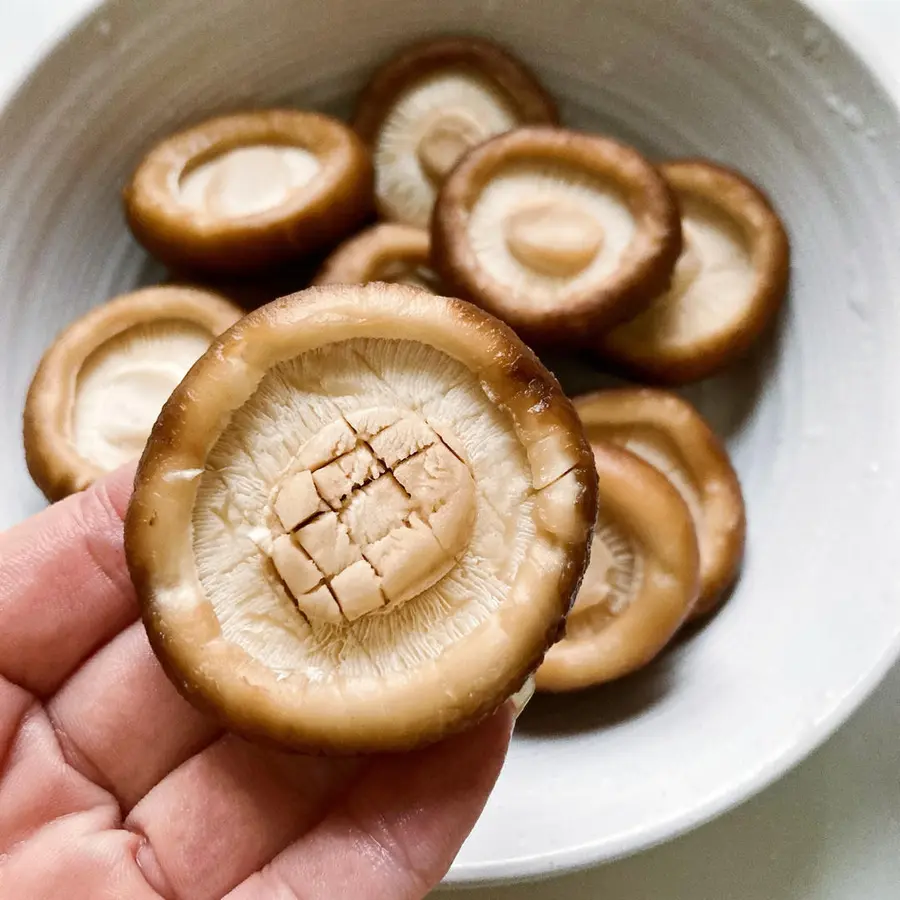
{"x":376,"y":511}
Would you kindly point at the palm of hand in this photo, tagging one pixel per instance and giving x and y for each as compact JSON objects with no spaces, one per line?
{"x":112,"y":786}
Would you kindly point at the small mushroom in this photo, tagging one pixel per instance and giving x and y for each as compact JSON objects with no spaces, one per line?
{"x":641,"y":581}
{"x":428,"y":106}
{"x":360,"y":520}
{"x":101,"y":384}
{"x":560,"y":234}
{"x":728,"y":286}
{"x":247,"y":191}
{"x":671,"y":435}
{"x":398,"y":254}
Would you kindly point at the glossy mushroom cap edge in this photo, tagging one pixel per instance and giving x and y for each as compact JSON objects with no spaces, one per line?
{"x":709,"y":482}
{"x":769,"y":250}
{"x":645,"y":268}
{"x":533,"y":105}
{"x":54,"y":464}
{"x":474,"y":675}
{"x":337,"y":200}
{"x":648,"y":508}
{"x":369,"y":255}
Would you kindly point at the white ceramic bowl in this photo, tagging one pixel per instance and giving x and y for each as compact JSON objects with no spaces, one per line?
{"x":811,"y":419}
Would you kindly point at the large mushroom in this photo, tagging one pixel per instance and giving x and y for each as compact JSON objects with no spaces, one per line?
{"x":360,"y":520}
{"x":558,"y":233}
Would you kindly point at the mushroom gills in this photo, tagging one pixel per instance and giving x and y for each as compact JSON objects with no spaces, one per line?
{"x":652,"y":446}
{"x":429,"y":128}
{"x":611,"y":582}
{"x":247,"y":180}
{"x":713,"y":281}
{"x":369,"y":505}
{"x":542,"y":229}
{"x":123,"y":385}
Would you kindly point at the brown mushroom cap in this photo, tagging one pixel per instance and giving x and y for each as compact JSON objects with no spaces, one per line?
{"x":251,"y":190}
{"x":560,"y":234}
{"x":641,"y":581}
{"x":71,"y":440}
{"x":728,"y":286}
{"x":398,"y":254}
{"x":671,"y":435}
{"x":431,"y":103}
{"x":279,"y":424}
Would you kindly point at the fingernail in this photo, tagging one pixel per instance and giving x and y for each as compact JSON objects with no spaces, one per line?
{"x":520,"y":699}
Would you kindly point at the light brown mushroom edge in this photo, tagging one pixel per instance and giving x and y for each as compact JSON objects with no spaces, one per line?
{"x":247,"y":191}
{"x":728,"y":286}
{"x":641,"y":582}
{"x":360,"y":520}
{"x":431,"y":104}
{"x":101,"y":384}
{"x":558,"y":233}
{"x":671,"y":435}
{"x":389,"y":252}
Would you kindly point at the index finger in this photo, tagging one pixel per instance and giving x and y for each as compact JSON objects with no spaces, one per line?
{"x":64,"y":585}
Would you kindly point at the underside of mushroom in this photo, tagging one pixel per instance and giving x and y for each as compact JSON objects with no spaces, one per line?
{"x":239,"y":194}
{"x":668,"y":433}
{"x":560,"y":234}
{"x":381,"y":530}
{"x":427,"y":107}
{"x":390,"y":252}
{"x":101,"y":384}
{"x":641,"y":582}
{"x":728,"y":284}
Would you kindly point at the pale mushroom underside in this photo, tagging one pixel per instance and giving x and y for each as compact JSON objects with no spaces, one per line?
{"x":236,"y":523}
{"x":611,"y":582}
{"x":713,"y":283}
{"x":247,"y":180}
{"x":123,"y":385}
{"x":414,"y":132}
{"x":593,"y":216}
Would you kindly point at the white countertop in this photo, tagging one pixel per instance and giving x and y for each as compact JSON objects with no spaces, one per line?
{"x":828,"y":831}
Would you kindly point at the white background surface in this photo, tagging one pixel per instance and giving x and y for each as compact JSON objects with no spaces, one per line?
{"x":828,"y":831}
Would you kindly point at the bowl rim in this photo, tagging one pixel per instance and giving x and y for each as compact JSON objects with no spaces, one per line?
{"x":852,"y":41}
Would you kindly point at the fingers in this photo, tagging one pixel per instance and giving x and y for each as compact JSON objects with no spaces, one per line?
{"x":64,"y":586}
{"x":398,"y":830}
{"x":36,"y":784}
{"x":228,"y":811}
{"x":121,"y":721}
{"x":79,"y":857}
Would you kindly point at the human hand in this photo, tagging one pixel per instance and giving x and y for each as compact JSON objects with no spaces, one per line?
{"x":112,"y":787}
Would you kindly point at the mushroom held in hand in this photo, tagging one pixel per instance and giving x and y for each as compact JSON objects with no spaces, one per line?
{"x":399,"y":254}
{"x":560,"y":234}
{"x":244,"y":192}
{"x":432,"y":103}
{"x":360,"y":520}
{"x":641,"y":582}
{"x":102,"y":383}
{"x":671,"y":435}
{"x":728,"y":284}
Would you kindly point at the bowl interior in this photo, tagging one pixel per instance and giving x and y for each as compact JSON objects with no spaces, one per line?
{"x":809,"y":420}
